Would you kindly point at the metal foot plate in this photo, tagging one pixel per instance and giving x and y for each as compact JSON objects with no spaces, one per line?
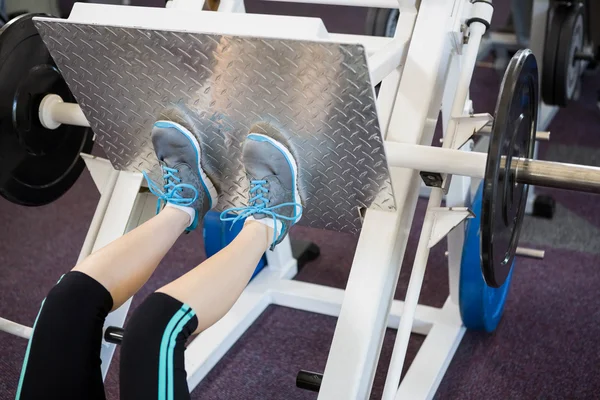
{"x":318,"y":96}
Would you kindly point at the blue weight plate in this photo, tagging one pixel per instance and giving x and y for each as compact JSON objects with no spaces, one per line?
{"x":481,"y":306}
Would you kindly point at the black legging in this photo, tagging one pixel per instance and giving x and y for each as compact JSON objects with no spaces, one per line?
{"x":62,"y":360}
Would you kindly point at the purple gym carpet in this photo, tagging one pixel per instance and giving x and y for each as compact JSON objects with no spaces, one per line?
{"x":546,"y":347}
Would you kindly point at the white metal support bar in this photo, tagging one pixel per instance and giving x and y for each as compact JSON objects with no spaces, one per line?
{"x":429,"y":366}
{"x":113,"y":226}
{"x":98,"y":218}
{"x":100,"y":169}
{"x":477,"y":29}
{"x":459,"y":195}
{"x":388,"y":59}
{"x":358,"y":337}
{"x":389,"y":86}
{"x":436,"y":159}
{"x":328,"y":301}
{"x":14,"y":328}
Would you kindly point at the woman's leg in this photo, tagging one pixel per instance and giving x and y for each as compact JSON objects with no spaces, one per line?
{"x":126,"y":264}
{"x":152,"y":352}
{"x":63,"y":355}
{"x":213,"y":287}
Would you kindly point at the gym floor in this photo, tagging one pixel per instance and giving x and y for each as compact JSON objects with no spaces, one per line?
{"x":546,"y":347}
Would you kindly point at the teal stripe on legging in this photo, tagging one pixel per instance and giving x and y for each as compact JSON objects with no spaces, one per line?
{"x":164,"y":345}
{"x":24,"y":367}
{"x":172,"y":342}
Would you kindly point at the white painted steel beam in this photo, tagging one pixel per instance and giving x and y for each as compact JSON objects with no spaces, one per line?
{"x":14,"y":328}
{"x":436,"y":159}
{"x":113,"y":226}
{"x":431,"y":362}
{"x":358,"y":337}
{"x":469,"y":57}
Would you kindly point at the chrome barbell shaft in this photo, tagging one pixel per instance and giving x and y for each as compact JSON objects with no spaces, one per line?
{"x":465,"y":163}
{"x":582,"y":178}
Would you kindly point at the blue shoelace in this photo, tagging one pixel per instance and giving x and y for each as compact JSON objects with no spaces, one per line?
{"x":172,"y":189}
{"x":259,"y":205}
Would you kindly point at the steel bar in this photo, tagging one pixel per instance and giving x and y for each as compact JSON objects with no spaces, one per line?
{"x":441,"y":160}
{"x":436,"y":159}
{"x":53,"y":112}
{"x":15,"y":329}
{"x":469,"y":57}
{"x":530,"y":253}
{"x":558,"y":175}
{"x":539,"y":135}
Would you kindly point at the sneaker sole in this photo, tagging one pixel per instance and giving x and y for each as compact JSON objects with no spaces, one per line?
{"x":291,"y":161}
{"x":205,"y":180}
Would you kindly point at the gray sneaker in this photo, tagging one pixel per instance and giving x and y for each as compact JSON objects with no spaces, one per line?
{"x":273,"y":176}
{"x":184,"y":181}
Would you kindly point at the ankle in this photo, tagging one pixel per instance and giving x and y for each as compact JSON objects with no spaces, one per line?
{"x":262,"y":231}
{"x":182,"y":215}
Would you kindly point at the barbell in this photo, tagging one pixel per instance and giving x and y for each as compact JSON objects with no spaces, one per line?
{"x":507,"y":169}
{"x":567,"y":51}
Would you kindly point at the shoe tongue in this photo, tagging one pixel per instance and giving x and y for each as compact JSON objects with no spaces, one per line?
{"x":259,"y":203}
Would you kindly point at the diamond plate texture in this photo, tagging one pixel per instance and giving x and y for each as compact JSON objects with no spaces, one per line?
{"x":316,"y":96}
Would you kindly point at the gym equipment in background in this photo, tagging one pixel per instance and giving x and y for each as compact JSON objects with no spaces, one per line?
{"x":567,"y":52}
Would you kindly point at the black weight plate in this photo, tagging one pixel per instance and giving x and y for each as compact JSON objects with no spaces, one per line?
{"x":37,"y":165}
{"x":513,"y":135}
{"x":556,"y":16}
{"x":567,"y":71}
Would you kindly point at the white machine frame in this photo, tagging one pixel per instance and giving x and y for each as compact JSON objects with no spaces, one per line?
{"x":426,"y":68}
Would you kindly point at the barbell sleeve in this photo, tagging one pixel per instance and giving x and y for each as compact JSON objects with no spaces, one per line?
{"x":582,"y":178}
{"x":54,"y":112}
